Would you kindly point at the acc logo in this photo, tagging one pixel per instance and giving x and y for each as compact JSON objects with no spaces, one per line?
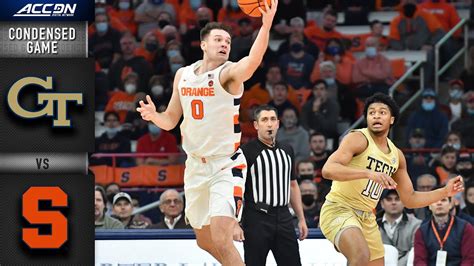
{"x":46,"y":10}
{"x":46,"y":99}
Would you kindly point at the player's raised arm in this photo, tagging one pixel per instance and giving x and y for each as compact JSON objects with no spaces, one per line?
{"x":244,"y":69}
{"x":415,"y":199}
{"x":336,"y":166}
{"x":168,"y":119}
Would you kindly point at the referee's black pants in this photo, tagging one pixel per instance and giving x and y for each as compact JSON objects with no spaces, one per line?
{"x":269,"y":231}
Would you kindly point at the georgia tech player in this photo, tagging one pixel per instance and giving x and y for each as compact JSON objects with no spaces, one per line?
{"x":365,"y":163}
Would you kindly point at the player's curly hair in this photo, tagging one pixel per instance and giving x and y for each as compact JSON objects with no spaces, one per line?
{"x":214,"y":26}
{"x":385,"y":99}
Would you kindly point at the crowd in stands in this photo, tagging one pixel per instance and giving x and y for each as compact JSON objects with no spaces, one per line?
{"x":315,"y":76}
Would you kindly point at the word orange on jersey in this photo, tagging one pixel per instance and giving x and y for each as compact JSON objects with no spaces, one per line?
{"x":186,"y":91}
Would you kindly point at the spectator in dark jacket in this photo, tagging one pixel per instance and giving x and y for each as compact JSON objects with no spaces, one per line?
{"x":429,"y":118}
{"x":171,"y":205}
{"x":430,"y":243}
{"x":320,"y":113}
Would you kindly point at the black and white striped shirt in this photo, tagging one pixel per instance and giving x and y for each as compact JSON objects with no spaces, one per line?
{"x":270,"y":171}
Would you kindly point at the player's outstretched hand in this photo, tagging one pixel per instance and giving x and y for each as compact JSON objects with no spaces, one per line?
{"x":147,"y":110}
{"x":383,"y":179}
{"x":455,"y":185}
{"x":238,"y":233}
{"x":269,"y":13}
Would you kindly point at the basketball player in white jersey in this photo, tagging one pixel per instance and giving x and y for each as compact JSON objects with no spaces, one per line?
{"x":207,"y":93}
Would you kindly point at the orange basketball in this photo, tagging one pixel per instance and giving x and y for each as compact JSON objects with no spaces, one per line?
{"x":250,"y":7}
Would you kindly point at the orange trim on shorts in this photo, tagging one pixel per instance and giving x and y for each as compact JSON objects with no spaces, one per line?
{"x":236,"y":119}
{"x":236,"y":146}
{"x":238,"y":191}
{"x":240,"y":166}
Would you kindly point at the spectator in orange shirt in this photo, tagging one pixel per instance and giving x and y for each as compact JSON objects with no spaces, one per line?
{"x":320,"y":35}
{"x":416,"y":29}
{"x":387,"y":5}
{"x":230,"y":15}
{"x":123,"y":101}
{"x":343,"y":61}
{"x":445,"y":13}
{"x":187,"y":14}
{"x":372,"y":73}
{"x":124,"y":11}
{"x":157,"y":141}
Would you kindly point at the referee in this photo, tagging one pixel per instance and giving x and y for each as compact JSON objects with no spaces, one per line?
{"x":270,"y":186}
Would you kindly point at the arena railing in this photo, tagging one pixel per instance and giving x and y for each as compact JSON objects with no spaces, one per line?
{"x":463,"y":50}
{"x":417,"y":65}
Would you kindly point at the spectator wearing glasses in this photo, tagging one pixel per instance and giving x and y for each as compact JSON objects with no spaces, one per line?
{"x":171,"y":205}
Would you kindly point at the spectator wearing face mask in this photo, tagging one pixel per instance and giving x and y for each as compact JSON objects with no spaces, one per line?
{"x":151,"y":48}
{"x":343,"y":60}
{"x":297,"y":24}
{"x":129,"y":62}
{"x":469,"y":199}
{"x":124,"y":101}
{"x":454,"y":139}
{"x":157,"y":141}
{"x":148,"y":12}
{"x":465,"y":125}
{"x":124,"y":11}
{"x":293,"y":134}
{"x":455,"y":108}
{"x":111,"y":141}
{"x":188,"y":18}
{"x":192,"y":51}
{"x":372,"y":73}
{"x":311,"y":204}
{"x":336,"y":90}
{"x":174,"y":57}
{"x":305,"y":170}
{"x":104,"y":43}
{"x":464,"y":167}
{"x":429,"y":118}
{"x":297,"y":64}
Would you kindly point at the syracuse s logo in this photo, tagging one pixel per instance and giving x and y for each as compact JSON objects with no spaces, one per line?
{"x":47,"y":99}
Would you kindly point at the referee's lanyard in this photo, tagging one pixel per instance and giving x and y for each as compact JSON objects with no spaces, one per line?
{"x":435,"y":230}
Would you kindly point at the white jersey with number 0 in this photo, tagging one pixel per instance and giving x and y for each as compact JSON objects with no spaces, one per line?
{"x":210,"y":126}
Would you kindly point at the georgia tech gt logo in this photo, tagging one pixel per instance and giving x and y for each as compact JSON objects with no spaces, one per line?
{"x":47,"y":99}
